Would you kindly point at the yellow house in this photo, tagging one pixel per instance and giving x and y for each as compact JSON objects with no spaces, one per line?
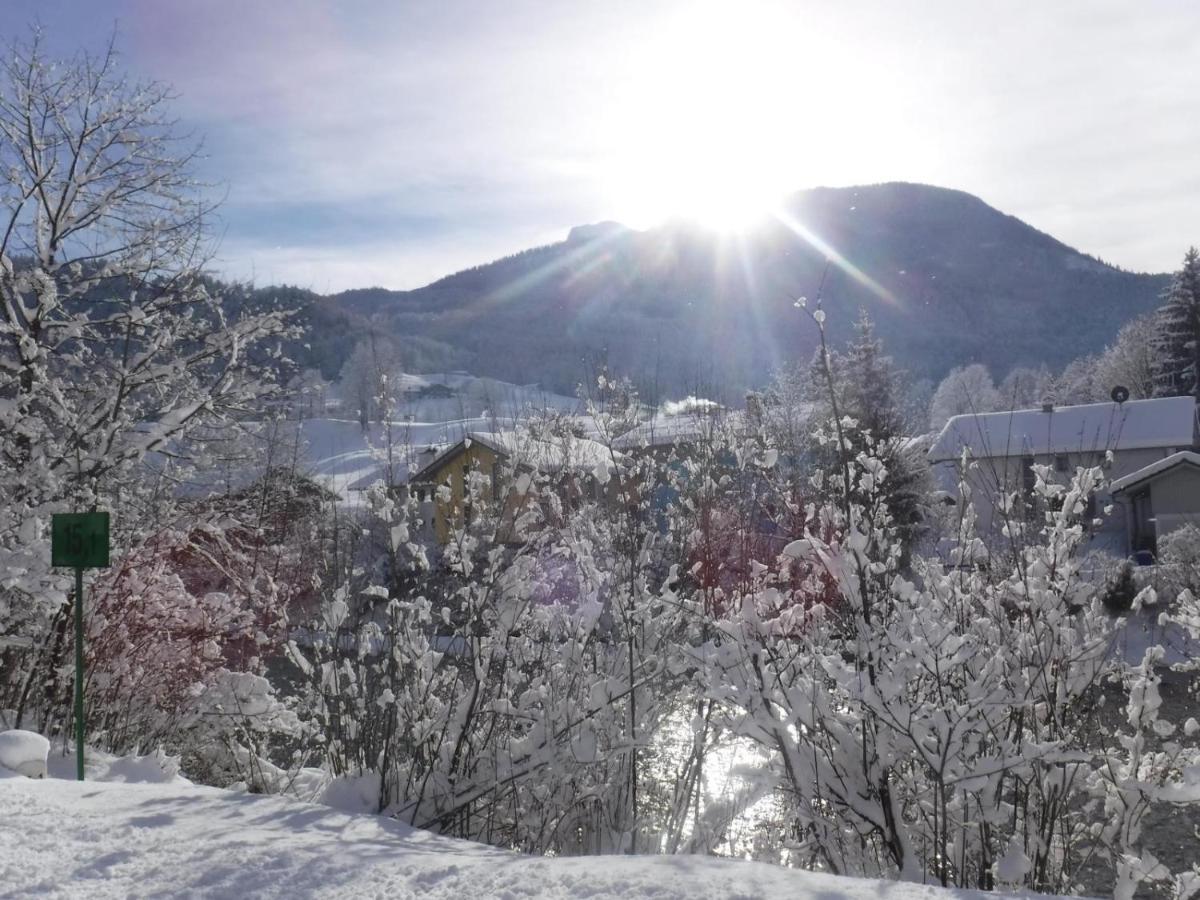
{"x":501,"y":466}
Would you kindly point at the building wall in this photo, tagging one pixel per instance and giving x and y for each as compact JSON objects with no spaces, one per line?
{"x":449,"y":513}
{"x":993,"y":476}
{"x":518,"y":495}
{"x":1175,"y":499}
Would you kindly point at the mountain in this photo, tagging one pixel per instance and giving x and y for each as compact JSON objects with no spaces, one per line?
{"x":948,"y":279}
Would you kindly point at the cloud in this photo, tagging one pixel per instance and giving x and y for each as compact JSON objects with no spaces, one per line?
{"x":394,"y":142}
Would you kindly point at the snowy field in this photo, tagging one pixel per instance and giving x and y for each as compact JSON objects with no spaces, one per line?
{"x":170,"y":838}
{"x":338,"y":454}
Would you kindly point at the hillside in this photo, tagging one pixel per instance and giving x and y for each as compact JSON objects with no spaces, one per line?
{"x":676,"y":306}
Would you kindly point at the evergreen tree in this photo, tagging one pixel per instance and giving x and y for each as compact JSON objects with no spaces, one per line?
{"x":871,"y":382}
{"x":870,"y":390}
{"x":1177,"y":341}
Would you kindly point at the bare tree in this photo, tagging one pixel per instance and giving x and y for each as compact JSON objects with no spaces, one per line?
{"x":364,"y":378}
{"x":965,"y":390}
{"x":112,"y":344}
{"x":1130,"y":361}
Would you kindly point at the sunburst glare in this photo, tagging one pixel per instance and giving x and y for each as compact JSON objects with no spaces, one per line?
{"x":714,"y":118}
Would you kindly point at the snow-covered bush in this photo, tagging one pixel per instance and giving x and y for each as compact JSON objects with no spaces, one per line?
{"x":155,"y":644}
{"x":24,"y":752}
{"x":568,"y":673}
{"x":577,"y":691}
{"x":942,"y":723}
{"x":234,"y":728}
{"x":928,"y":726}
{"x":120,"y":374}
{"x":514,"y":691}
{"x":172,"y":614}
{"x":1179,"y":562}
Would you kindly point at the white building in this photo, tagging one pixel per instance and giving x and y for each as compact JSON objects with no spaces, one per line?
{"x":1152,"y":468}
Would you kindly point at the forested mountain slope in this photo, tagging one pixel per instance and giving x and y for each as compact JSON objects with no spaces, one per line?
{"x":948,"y":279}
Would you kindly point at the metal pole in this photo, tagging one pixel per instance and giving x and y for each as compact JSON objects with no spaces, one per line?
{"x":79,"y":673}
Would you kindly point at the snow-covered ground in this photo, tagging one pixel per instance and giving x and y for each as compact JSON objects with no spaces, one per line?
{"x":346,"y":460}
{"x":1139,"y":630}
{"x":166,"y":837}
{"x":339,"y":455}
{"x":475,"y":396}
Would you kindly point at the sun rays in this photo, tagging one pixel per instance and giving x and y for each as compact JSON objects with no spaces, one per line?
{"x":831,"y":253}
{"x":703,"y":127}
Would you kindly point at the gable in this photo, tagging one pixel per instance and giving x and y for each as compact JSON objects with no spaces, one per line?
{"x":469,"y":450}
{"x":1184,"y":465}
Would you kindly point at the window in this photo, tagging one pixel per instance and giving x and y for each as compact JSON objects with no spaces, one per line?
{"x":1062,"y":463}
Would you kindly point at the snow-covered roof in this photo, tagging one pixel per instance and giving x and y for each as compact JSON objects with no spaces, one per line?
{"x":567,"y":453}
{"x":1168,"y":422}
{"x":553,"y":455}
{"x":342,"y":457}
{"x":1183,"y":457}
{"x":663,"y":430}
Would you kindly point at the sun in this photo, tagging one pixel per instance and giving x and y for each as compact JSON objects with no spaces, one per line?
{"x":708,"y":122}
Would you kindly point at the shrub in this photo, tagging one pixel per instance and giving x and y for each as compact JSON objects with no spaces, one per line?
{"x":1179,"y":561}
{"x":1118,"y":595}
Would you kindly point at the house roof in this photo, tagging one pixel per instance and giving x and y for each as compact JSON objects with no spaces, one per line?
{"x":663,"y":430}
{"x":1156,"y":468}
{"x":1168,"y":422}
{"x":568,"y":453}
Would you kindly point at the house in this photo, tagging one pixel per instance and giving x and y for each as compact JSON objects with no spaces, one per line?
{"x":1141,"y":436}
{"x":1158,"y":498}
{"x":500,"y":464}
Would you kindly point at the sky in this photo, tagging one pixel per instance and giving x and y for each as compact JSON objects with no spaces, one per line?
{"x":379,"y":142}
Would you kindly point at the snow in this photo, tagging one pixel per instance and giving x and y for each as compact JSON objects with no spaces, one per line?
{"x":343,"y":458}
{"x":665,"y":429}
{"x":1136,"y":424}
{"x":1141,"y":629}
{"x":570,"y":453}
{"x":24,"y":752}
{"x":95,"y":839}
{"x":340,"y":456}
{"x":469,"y":396}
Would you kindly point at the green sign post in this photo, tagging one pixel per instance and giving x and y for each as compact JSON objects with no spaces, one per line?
{"x":80,"y":541}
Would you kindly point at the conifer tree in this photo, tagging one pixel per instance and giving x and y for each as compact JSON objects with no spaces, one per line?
{"x":871,"y":382}
{"x":1178,"y":333}
{"x":870,"y":389}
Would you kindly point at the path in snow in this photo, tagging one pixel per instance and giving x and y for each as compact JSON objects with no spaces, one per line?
{"x":97,"y":840}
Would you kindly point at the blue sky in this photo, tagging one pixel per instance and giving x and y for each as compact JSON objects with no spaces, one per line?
{"x":389,"y":143}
